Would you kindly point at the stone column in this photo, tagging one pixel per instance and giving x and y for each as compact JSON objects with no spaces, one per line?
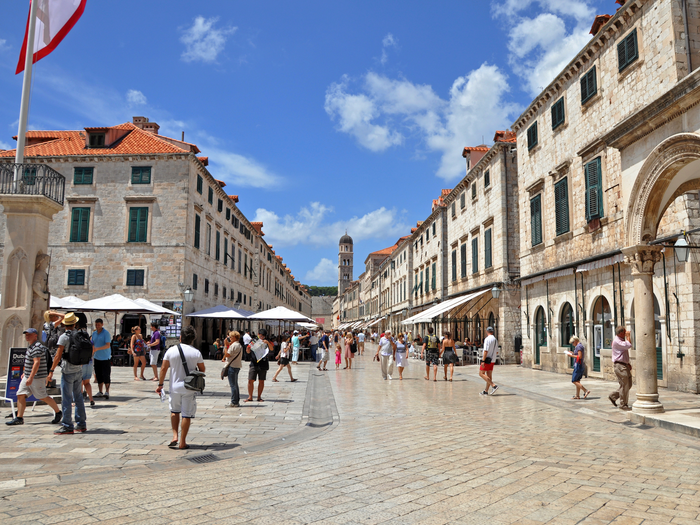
{"x":642,"y":259}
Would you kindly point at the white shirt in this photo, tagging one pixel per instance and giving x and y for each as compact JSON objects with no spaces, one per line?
{"x":177,"y":371}
{"x":490,"y":346}
{"x":361,"y":337}
{"x":246,"y":339}
{"x":313,"y":340}
{"x":385,"y":346}
{"x":283,"y":351}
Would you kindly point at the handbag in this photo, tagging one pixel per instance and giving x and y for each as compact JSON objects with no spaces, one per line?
{"x":193,"y":380}
{"x":224,"y":370}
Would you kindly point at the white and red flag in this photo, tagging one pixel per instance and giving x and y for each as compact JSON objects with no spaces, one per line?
{"x":54,"y":19}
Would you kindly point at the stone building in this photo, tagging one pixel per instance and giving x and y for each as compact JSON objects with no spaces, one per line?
{"x":145,"y":218}
{"x":322,"y":311}
{"x":608,"y":174}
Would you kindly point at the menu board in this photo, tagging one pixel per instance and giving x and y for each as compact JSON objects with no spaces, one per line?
{"x":15,"y":370}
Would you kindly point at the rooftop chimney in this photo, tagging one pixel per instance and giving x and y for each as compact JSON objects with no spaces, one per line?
{"x":144,"y":124}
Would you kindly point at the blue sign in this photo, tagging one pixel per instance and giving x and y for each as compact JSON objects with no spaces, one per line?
{"x":15,"y":371}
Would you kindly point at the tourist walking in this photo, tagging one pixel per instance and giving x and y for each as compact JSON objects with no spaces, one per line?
{"x":71,"y":378}
{"x":102,"y":358}
{"x":183,"y":402}
{"x":283,"y":358}
{"x":386,"y":352}
{"x":621,"y":365}
{"x":401,"y":354}
{"x":137,"y":348}
{"x":487,"y":361}
{"x":347,"y":355}
{"x":449,"y":357}
{"x":296,"y":344}
{"x":431,"y":351}
{"x":324,"y":347}
{"x":154,"y":349}
{"x":361,"y":342}
{"x":258,"y":369}
{"x":577,"y":374}
{"x":232,"y":356}
{"x":313,"y":343}
{"x":36,"y":370}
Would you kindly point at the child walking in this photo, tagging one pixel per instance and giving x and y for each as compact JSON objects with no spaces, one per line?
{"x":337,"y":357}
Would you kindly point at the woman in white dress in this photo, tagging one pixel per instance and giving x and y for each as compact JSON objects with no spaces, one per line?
{"x":401,"y":355}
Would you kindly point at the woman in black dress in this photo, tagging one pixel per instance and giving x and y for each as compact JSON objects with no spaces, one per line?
{"x":283,"y":358}
{"x":449,"y":357}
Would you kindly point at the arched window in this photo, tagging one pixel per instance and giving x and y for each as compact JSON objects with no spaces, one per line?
{"x":540,"y":332}
{"x":602,"y":329}
{"x":477,"y":330}
{"x":492,"y":322}
{"x":566,"y":328}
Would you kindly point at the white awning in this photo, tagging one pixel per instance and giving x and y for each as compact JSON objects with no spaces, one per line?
{"x":376,"y":322}
{"x":601,"y":263}
{"x":433,"y":312}
{"x":547,"y":276}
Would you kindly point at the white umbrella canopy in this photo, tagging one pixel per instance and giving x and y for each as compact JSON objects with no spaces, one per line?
{"x":280,"y":313}
{"x":117,"y":303}
{"x":217,"y":312}
{"x":160,"y":309}
{"x":66,"y":303}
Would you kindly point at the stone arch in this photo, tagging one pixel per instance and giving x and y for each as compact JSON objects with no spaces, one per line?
{"x":15,"y":293}
{"x":669,"y":171}
{"x":12,"y":333}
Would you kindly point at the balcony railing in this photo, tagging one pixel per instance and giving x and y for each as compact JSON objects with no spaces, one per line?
{"x":32,"y":179}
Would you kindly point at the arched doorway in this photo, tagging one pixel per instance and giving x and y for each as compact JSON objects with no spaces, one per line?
{"x":602,"y":329}
{"x":540,"y":333}
{"x":566,"y":329}
{"x":478,"y":339}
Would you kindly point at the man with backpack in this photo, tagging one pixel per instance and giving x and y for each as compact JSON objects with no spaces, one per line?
{"x":431,"y":350}
{"x":74,"y":351}
{"x":34,"y":378}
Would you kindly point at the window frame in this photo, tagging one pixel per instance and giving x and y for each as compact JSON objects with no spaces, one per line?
{"x":558,"y":112}
{"x":138,"y":275}
{"x":454,"y":265}
{"x":78,"y":237}
{"x":78,"y":274}
{"x":138,"y":174}
{"x":463,"y":261}
{"x":83,"y":175}
{"x":488,"y":248}
{"x":487,"y":179}
{"x":594,"y":189}
{"x":200,"y":184}
{"x":631,"y":37}
{"x":475,"y":254}
{"x":561,"y":207}
{"x":536,"y":237}
{"x":532,"y":136}
{"x":586,"y":93}
{"x":139,"y":210}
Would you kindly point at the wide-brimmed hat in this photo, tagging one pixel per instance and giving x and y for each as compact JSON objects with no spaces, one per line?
{"x":70,"y":319}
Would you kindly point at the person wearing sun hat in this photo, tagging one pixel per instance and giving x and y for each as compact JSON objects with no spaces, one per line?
{"x":71,"y":382}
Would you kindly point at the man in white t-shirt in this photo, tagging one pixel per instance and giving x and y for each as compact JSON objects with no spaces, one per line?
{"x":487,"y":361}
{"x":361,"y":342}
{"x":182,"y":401}
{"x":246,"y":338}
{"x":387,"y":353}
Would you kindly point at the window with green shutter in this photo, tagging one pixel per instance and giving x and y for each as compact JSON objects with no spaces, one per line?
{"x":220,"y":205}
{"x":627,"y":51}
{"x":589,"y":85}
{"x":217,"y":252}
{"x":433,"y":283}
{"x":225,"y":252}
{"x":488,"y":262}
{"x":210,"y":196}
{"x":228,"y":214}
{"x":200,"y":184}
{"x":138,"y":225}
{"x":474,"y":190}
{"x":80,"y":225}
{"x":558,"y":114}
{"x":594,"y":190}
{"x":141,"y":175}
{"x":82,"y":176}
{"x":454,"y":265}
{"x":536,"y":219}
{"x":29,"y":176}
{"x":421,"y":282}
{"x":427,"y":279}
{"x":487,"y":179}
{"x":475,"y":255}
{"x":194,"y":281}
{"x":463,"y":261}
{"x":462,"y":201}
{"x":76,"y":277}
{"x":197,"y":228}
{"x":561,"y":206}
{"x":135,"y":277}
{"x":532,"y":136}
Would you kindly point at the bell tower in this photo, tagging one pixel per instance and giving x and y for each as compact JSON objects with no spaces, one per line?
{"x":345,"y":255}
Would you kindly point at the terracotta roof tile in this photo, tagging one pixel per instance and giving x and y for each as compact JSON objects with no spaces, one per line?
{"x":446,"y":192}
{"x":505,"y":136}
{"x":598,"y":22}
{"x":204,"y":160}
{"x":385,"y":251}
{"x":258,"y":227}
{"x":220,"y":182}
{"x":234,"y":198}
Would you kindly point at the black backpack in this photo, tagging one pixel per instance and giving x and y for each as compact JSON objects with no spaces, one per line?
{"x":79,"y":351}
{"x":162,"y":340}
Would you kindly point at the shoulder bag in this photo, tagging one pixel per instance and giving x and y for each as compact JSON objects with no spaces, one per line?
{"x":193,"y":380}
{"x":224,"y":370}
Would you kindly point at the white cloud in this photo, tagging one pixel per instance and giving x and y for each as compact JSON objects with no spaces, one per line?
{"x":203,"y":41}
{"x":3,"y":45}
{"x":239,"y":170}
{"x":386,"y":110}
{"x":388,"y":41}
{"x":5,"y":145}
{"x":310,"y":226}
{"x":135,"y":98}
{"x":326,"y":271}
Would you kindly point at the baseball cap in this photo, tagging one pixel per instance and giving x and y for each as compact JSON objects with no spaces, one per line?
{"x":489,"y":329}
{"x":30,"y":331}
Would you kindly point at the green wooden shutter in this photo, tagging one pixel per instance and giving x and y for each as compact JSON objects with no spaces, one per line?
{"x":627,"y":51}
{"x":487,"y":249}
{"x":197,"y":227}
{"x":434,"y":275}
{"x":463,"y":254}
{"x":536,"y":220}
{"x":80,"y":225}
{"x":138,"y":224}
{"x":558,"y":114}
{"x":421,"y":282}
{"x":475,"y":255}
{"x":532,"y":136}
{"x":561,"y":206}
{"x":594,"y":190}
{"x":454,"y":265}
{"x":589,"y":85}
{"x":427,"y":279}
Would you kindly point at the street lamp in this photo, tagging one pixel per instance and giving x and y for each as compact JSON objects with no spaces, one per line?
{"x":189,"y":295}
{"x":681,"y":249}
{"x":495,"y":291}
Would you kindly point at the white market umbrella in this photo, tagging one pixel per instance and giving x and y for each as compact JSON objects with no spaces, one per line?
{"x":117,"y":303}
{"x":217,"y":312}
{"x":161,"y":309}
{"x":280,"y":313}
{"x":68,"y":302}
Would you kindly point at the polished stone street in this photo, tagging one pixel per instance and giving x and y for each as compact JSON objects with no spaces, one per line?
{"x":347,"y":447}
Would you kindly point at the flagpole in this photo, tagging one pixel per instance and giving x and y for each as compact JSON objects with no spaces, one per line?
{"x":26,"y":87}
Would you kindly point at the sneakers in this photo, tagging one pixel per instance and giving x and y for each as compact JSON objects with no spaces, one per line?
{"x":389,"y":377}
{"x":57,"y":418}
{"x":233,"y":405}
{"x":16,"y":421}
{"x":493,"y":390}
{"x":63,"y":430}
{"x":106,"y":396}
{"x":80,"y":429}
{"x":92,"y":403}
{"x":99,"y":394}
{"x":483,"y":393}
{"x":612,"y":400}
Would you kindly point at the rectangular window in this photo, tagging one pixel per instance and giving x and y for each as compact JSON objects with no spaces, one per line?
{"x":225,"y":252}
{"x":223,"y":292}
{"x":594,"y":190}
{"x":487,"y":179}
{"x":589,"y":85}
{"x":240,"y":296}
{"x":627,"y":51}
{"x":536,"y":220}
{"x":421,"y":282}
{"x":245,"y":265}
{"x":220,"y":206}
{"x":76,"y":277}
{"x":194,"y":281}
{"x":228,"y":214}
{"x":135,"y":277}
{"x":197,"y":228}
{"x":29,"y":176}
{"x":454,"y":209}
{"x":475,"y":255}
{"x":138,"y":224}
{"x":434,"y":281}
{"x":434,"y":228}
{"x":561,"y":206}
{"x":474,"y":190}
{"x":141,"y":175}
{"x":97,"y":140}
{"x":558,"y":115}
{"x":210,"y":196}
{"x":216,"y":288}
{"x":82,"y":176}
{"x":454,"y":265}
{"x":217,"y":247}
{"x":80,"y":225}
{"x":200,"y":184}
{"x":488,"y":262}
{"x":239,"y":261}
{"x":532,"y":136}
{"x":208,"y":239}
{"x":206,"y":286}
{"x":463,"y":262}
{"x":427,"y":279}
{"x":462,"y":201}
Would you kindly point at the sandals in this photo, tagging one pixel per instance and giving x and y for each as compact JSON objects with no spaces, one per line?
{"x":275,"y":381}
{"x":575,"y":397}
{"x":586,"y":394}
{"x":172,"y":444}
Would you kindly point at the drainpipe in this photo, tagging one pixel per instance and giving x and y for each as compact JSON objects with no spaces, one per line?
{"x":684,"y":6}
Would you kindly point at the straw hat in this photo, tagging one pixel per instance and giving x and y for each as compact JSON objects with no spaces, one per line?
{"x":70,"y":319}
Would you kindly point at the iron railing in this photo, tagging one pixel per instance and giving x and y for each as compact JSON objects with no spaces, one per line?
{"x":32,"y":179}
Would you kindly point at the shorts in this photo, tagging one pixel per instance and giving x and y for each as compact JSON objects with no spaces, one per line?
{"x":183,"y":404}
{"x":139,"y":353}
{"x":256,"y":374}
{"x":103,"y":370}
{"x":36,"y":389}
{"x":154,"y":357}
{"x":284,"y":361}
{"x":432,"y":358}
{"x":577,"y":374}
{"x":486,"y":367}
{"x":87,"y":371}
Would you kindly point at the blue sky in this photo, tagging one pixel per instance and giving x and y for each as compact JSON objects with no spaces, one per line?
{"x":322,"y":116}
